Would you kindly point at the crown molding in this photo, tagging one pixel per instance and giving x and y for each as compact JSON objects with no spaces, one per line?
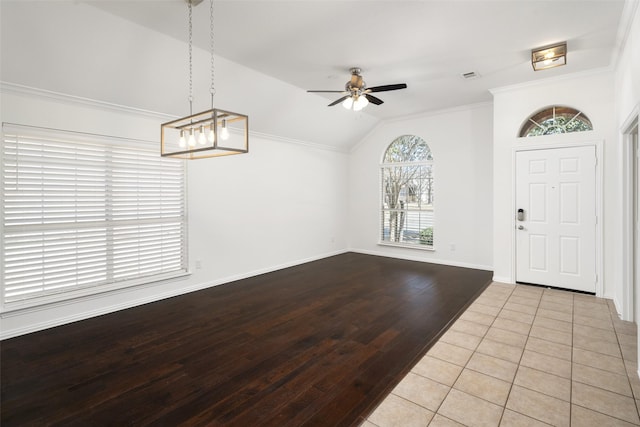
{"x":313,"y":145}
{"x":18,"y":89}
{"x":431,"y":113}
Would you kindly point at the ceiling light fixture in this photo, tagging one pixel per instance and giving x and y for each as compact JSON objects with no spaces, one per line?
{"x":549,"y":56}
{"x":211,"y":133}
{"x":356,"y":93}
{"x":355,"y":102}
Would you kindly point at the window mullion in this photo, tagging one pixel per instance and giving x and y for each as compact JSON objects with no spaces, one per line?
{"x":108,"y":179}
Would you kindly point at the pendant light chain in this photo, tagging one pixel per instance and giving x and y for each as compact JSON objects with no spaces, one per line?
{"x":210,"y":133}
{"x":212,"y":89}
{"x":190,"y":58}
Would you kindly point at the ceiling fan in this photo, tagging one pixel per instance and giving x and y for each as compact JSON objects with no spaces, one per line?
{"x":357,"y":94}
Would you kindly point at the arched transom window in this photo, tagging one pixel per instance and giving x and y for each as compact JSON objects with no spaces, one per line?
{"x":407,"y":193}
{"x":557,"y":119}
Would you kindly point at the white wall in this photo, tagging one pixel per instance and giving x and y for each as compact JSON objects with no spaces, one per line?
{"x":627,"y":97}
{"x":280,"y":205}
{"x":460,"y":140}
{"x":591,"y":93}
{"x":627,"y":73}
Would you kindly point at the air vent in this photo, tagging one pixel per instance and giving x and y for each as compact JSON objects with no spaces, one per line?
{"x":470,"y":75}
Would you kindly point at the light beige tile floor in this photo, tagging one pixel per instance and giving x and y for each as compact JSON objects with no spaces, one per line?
{"x":523,"y":356}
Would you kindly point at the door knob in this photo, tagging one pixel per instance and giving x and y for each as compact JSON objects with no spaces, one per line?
{"x":520,"y":227}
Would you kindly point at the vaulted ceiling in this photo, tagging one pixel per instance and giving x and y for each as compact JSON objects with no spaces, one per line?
{"x":427,"y":44}
{"x":311,"y":44}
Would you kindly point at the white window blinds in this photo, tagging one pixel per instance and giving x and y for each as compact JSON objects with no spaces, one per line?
{"x":82,"y":214}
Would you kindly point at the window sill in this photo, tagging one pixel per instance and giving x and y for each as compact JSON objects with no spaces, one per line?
{"x":408,"y":246}
{"x":53,"y":300}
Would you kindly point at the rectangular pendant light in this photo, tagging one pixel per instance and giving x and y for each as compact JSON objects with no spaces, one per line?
{"x":211,"y":133}
{"x":549,"y":56}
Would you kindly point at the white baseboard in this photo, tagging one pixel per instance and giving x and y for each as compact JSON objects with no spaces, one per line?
{"x":618,"y":307}
{"x":503,"y":279}
{"x":423,"y":259}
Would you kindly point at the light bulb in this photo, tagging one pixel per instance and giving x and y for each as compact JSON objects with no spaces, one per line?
{"x":348,"y":103}
{"x":360,"y":103}
{"x":182,"y":143}
{"x":202,"y":138}
{"x":224,"y":133}
{"x":192,"y":138}
{"x":212,"y":135}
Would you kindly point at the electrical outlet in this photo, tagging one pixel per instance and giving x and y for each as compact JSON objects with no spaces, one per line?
{"x":452,"y":247}
{"x":198,"y":264}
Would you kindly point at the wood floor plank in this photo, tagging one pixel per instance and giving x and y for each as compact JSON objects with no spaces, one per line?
{"x":316,"y":344}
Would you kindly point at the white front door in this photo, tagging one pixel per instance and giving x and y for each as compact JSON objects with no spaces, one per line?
{"x":556,"y":229}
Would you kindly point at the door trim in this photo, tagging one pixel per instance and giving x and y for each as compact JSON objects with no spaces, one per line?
{"x":626,"y":171}
{"x":562,"y":141}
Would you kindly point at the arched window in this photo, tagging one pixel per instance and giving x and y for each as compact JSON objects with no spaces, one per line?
{"x":407,"y":193}
{"x":557,"y":119}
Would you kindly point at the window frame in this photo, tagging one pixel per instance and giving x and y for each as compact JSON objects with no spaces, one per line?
{"x":535,"y":120}
{"x":161,"y":214}
{"x":429,"y":163}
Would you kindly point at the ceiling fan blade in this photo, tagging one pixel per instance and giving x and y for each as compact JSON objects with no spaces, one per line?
{"x":372,"y":99}
{"x":338,"y":101}
{"x":325,"y":91}
{"x":385,"y":88}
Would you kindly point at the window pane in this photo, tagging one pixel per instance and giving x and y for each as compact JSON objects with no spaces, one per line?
{"x":408,"y":226}
{"x":407,"y":193}
{"x":81,"y":212}
{"x":553,"y":120}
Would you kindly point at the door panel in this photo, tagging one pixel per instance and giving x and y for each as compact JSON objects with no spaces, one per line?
{"x":538,"y":202}
{"x":538,"y":252}
{"x":555,"y":243}
{"x":569,"y":203}
{"x":569,"y":255}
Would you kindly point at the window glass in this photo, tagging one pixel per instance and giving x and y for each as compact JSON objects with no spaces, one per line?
{"x":557,"y":119}
{"x":407,"y":193}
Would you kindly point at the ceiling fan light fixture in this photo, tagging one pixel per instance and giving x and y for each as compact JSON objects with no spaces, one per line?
{"x":356,"y":94}
{"x":360,"y":103}
{"x":549,"y":56}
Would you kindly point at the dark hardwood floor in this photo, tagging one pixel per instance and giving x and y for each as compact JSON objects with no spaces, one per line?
{"x":318,"y":344}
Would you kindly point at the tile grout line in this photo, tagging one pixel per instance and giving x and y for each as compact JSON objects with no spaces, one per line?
{"x":573,"y":322}
{"x":611,"y":373}
{"x":513,"y":381}
{"x":436,"y":412}
{"x":467,"y":362}
{"x":506,"y":296}
{"x":535,"y":316}
{"x":626,"y":371}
